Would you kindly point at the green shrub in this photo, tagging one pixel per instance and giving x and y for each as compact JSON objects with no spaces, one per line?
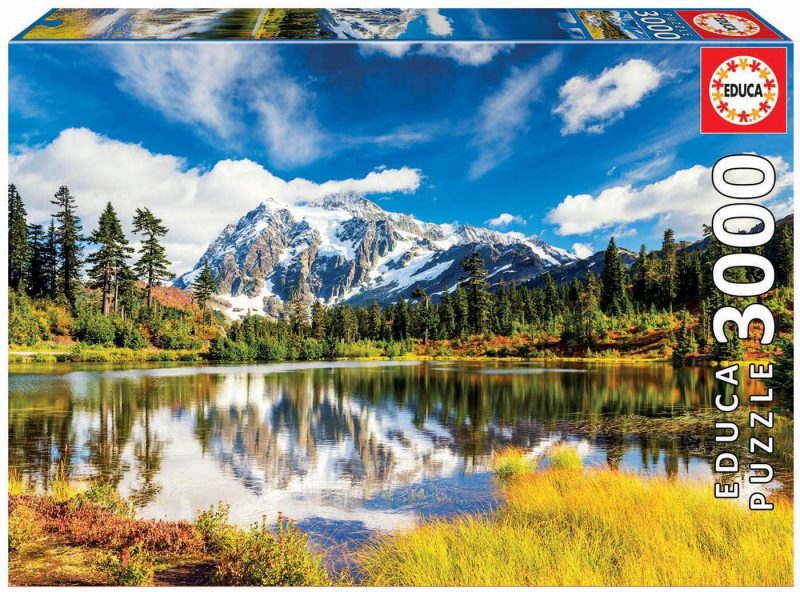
{"x":44,"y":358}
{"x":174,"y":335}
{"x":129,"y":334}
{"x":212,"y":524}
{"x":24,"y":327}
{"x":107,"y":497}
{"x":310,"y":349}
{"x":24,"y":527}
{"x":270,"y":349}
{"x":95,"y":328}
{"x":131,"y":567}
{"x":226,"y":350}
{"x":260,"y":557}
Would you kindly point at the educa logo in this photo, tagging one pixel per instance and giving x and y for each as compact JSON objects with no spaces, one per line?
{"x":727,"y":24}
{"x":743,"y":90}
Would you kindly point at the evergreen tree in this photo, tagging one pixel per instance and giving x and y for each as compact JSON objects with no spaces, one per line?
{"x":552,"y":301}
{"x":37,"y":269}
{"x":375,"y":321}
{"x":477,"y":292}
{"x":50,"y":278}
{"x":400,"y":321}
{"x":684,"y":345}
{"x":204,"y":286}
{"x":69,"y":242}
{"x":18,"y":248}
{"x":640,"y":277}
{"x":614,"y":297}
{"x":319,"y":322}
{"x":669,"y":269}
{"x":447,"y":317}
{"x":109,"y":261}
{"x":298,"y":314}
{"x":461,"y":310}
{"x":504,"y":316}
{"x":152,"y":266}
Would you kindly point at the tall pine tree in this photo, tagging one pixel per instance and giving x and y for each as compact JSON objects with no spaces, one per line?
{"x":204,"y":286}
{"x":18,"y":249}
{"x":614,"y":297}
{"x":152,"y":266}
{"x":477,"y":292}
{"x":69,"y":243}
{"x":669,"y":269}
{"x":37,"y":283}
{"x":109,"y":262}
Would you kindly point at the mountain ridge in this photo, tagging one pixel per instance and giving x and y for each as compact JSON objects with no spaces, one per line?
{"x":346,"y":248}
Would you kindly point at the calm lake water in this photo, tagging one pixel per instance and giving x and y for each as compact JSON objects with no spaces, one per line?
{"x":344,"y":448}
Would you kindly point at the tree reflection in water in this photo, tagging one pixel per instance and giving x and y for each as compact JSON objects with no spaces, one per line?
{"x":342,"y":434}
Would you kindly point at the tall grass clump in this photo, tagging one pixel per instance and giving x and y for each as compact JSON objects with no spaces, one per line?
{"x":593,"y":528}
{"x":509,"y":462}
{"x":61,"y":488}
{"x":564,"y":456}
{"x":16,"y":483}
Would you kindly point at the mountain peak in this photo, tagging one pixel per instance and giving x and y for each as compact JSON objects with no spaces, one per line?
{"x":345,"y":248}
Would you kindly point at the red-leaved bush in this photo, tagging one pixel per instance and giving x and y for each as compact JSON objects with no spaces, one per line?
{"x":93,"y":526}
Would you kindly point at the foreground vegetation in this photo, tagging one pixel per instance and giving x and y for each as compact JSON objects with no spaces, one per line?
{"x":558,"y":524}
{"x":96,"y":530}
{"x":564,"y":527}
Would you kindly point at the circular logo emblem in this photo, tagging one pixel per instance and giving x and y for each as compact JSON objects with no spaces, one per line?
{"x":743,"y":90}
{"x":724,"y":23}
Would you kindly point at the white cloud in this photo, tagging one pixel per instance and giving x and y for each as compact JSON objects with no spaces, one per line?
{"x":194,"y":203}
{"x":504,"y":114}
{"x":226,"y":91}
{"x":464,"y":54}
{"x":683,"y":201}
{"x":438,"y":24}
{"x":591,"y":104}
{"x":582,"y":250}
{"x":505,"y":219}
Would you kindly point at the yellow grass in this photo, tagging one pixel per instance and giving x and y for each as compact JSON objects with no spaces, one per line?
{"x":510,"y":462}
{"x":597,"y":527}
{"x":564,"y":456}
{"x":61,"y":488}
{"x":16,"y":483}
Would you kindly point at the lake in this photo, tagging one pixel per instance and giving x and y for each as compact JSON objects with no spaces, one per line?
{"x":346,"y":448}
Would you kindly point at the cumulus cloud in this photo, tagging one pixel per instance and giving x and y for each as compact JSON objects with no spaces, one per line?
{"x":194,"y":203}
{"x":582,"y":250}
{"x":591,"y":104}
{"x":464,"y":54}
{"x":505,"y":219}
{"x":683,"y":201}
{"x":504,"y":114}
{"x":438,"y":24}
{"x":226,"y":91}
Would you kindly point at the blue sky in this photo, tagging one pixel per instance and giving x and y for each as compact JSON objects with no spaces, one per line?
{"x":505,"y":135}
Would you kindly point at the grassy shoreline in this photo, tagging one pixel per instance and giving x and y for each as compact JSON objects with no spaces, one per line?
{"x":558,"y":524}
{"x":75,"y":353}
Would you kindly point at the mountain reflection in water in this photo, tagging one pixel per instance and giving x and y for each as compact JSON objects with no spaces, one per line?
{"x":344,"y":448}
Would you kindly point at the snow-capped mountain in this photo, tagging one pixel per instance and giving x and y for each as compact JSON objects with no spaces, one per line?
{"x":355,"y":23}
{"x":348,"y":249}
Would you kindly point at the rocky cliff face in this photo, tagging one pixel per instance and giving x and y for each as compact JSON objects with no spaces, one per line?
{"x":347,"y":249}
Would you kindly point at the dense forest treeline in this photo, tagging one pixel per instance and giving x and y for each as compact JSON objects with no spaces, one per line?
{"x":107,"y":298}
